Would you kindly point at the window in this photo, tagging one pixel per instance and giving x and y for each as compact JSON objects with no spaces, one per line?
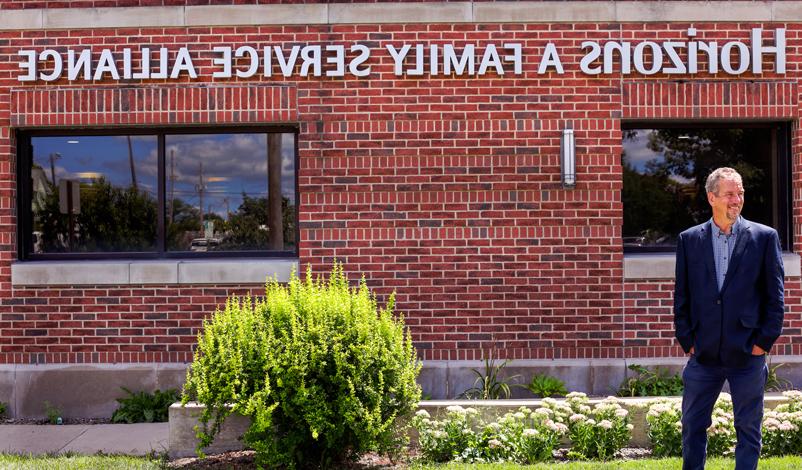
{"x":666,"y":166}
{"x":158,"y":194}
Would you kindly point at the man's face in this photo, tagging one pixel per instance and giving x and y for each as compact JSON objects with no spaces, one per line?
{"x":728,"y":202}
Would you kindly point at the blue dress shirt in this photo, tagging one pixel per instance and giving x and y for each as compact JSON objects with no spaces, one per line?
{"x":723,"y":244}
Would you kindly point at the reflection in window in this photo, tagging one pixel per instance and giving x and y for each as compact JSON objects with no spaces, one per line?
{"x":94,"y":194}
{"x":665,"y":172}
{"x":159,"y":194}
{"x":230,"y":192}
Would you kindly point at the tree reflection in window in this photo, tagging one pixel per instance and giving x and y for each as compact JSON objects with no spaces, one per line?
{"x":222,"y":192}
{"x":664,"y":173}
{"x":108,"y":210}
{"x":220,"y":189}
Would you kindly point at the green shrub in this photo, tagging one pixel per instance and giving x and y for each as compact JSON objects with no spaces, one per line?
{"x":322,"y":372}
{"x":3,"y":409}
{"x":144,"y":407}
{"x":647,"y":383}
{"x":545,"y":386}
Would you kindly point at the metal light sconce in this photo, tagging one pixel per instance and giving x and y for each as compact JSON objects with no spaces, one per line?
{"x":568,"y":159}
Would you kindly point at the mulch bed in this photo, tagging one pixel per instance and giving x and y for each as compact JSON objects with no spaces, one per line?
{"x":244,"y":460}
{"x":64,"y":421}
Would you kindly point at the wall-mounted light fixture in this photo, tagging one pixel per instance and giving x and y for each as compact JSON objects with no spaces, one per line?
{"x":568,"y":159}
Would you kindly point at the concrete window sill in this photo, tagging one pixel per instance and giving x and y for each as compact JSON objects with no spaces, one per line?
{"x":661,"y":266}
{"x":135,"y":272}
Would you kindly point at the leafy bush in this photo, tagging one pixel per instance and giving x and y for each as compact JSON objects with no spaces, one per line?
{"x":3,"y":409}
{"x":144,"y":407}
{"x":601,"y":433}
{"x":664,"y":428}
{"x":646,"y":383}
{"x":322,"y":372}
{"x":545,"y":386}
{"x":524,"y":436}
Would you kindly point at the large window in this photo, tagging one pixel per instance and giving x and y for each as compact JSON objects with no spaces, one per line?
{"x":158,"y":194}
{"x":665,"y":168}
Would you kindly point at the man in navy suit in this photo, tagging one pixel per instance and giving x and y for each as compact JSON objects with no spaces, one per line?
{"x":728,"y":311}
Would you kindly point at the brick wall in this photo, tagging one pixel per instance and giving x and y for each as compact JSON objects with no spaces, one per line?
{"x":101,"y":324}
{"x":445,"y":190}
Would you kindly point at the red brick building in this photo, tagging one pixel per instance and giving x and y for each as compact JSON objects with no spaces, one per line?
{"x":159,"y":156}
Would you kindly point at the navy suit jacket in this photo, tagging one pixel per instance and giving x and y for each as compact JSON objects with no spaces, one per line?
{"x":723,"y":326}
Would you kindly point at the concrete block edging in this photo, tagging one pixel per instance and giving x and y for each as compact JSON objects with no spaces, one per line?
{"x":662,"y":265}
{"x":90,"y":390}
{"x":139,"y":272}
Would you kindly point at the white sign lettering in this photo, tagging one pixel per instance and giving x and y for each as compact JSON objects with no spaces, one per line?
{"x":673,"y":57}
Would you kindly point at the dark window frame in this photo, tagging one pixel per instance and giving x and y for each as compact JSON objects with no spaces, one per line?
{"x":782,"y":157}
{"x":25,"y":190}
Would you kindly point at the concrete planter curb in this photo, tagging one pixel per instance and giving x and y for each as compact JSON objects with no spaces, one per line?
{"x":182,"y":440}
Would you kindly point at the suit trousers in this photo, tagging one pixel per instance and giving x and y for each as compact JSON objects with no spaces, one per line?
{"x":703,"y":384}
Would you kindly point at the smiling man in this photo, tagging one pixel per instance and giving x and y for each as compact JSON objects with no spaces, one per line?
{"x":728,"y":311}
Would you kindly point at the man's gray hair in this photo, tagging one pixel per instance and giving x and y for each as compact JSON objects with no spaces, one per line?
{"x":723,"y":173}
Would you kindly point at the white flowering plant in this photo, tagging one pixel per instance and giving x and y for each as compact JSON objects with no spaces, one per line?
{"x":447,"y":439}
{"x":721,"y":433}
{"x":600,"y":432}
{"x":664,"y":427}
{"x":781,"y":427}
{"x":794,"y":402}
{"x":523,"y":436}
{"x":494,"y":444}
{"x":533,"y":435}
{"x":562,"y":410}
{"x":577,"y":401}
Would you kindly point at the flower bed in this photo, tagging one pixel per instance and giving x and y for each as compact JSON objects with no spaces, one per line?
{"x":183,"y":441}
{"x":594,"y":429}
{"x":781,"y":427}
{"x":527,"y":435}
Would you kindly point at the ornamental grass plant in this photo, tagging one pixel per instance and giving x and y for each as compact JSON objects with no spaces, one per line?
{"x":323,"y":373}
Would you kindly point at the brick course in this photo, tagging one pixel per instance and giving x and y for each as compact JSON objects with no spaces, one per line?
{"x":445,"y":190}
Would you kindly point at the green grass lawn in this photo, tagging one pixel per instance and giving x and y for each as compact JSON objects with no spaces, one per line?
{"x":78,"y":462}
{"x":776,"y":463}
{"x":102,"y":462}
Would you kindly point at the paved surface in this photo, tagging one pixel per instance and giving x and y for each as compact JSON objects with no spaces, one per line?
{"x":129,"y":439}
